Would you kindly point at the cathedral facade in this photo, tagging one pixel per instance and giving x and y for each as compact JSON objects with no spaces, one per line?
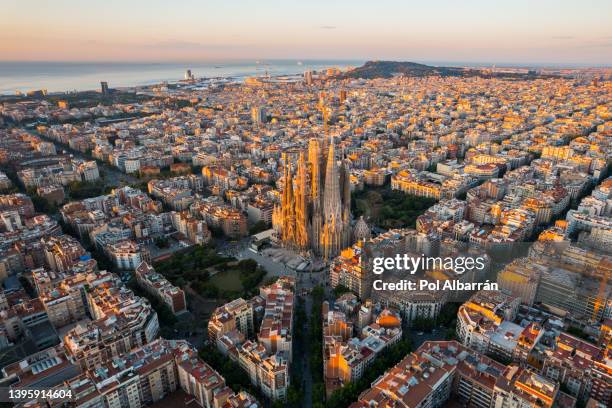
{"x":315,"y":209}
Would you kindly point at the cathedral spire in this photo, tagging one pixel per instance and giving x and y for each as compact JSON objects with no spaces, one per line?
{"x":331,"y":194}
{"x":346,"y":204}
{"x":331,"y":239}
{"x":314,"y":159}
{"x":301,"y":206}
{"x":315,"y":215}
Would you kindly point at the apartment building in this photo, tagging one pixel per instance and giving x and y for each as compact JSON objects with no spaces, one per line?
{"x":235,"y":315}
{"x":583,"y":368}
{"x":442,"y":371}
{"x":345,"y":358}
{"x":266,"y":360}
{"x":158,"y":286}
{"x":485,"y":324}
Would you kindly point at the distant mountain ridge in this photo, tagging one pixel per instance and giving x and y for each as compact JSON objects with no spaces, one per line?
{"x":388,"y":69}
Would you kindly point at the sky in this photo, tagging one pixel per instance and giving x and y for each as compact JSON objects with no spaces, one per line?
{"x":491,"y":31}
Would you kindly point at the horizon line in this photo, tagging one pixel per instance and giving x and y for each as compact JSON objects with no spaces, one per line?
{"x":336,"y":60}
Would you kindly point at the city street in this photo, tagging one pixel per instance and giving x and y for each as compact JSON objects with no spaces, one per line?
{"x":305,"y":281}
{"x":112,"y":176}
{"x":418,"y":337}
{"x":241,"y":250}
{"x":185,"y":190}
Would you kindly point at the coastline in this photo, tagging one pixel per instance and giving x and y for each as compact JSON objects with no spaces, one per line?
{"x":64,"y":77}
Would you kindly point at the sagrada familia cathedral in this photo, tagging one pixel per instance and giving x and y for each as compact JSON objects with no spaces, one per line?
{"x":313,"y":215}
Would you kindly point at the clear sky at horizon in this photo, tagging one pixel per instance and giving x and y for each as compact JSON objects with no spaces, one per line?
{"x":537,"y":31}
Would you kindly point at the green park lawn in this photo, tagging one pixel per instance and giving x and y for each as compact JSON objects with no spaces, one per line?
{"x":227,"y":280}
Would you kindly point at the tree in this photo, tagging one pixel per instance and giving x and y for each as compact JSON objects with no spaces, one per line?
{"x":162,"y":242}
{"x":344,"y":396}
{"x":389,"y":208}
{"x":318,"y":293}
{"x":164,"y":314}
{"x":294,"y":396}
{"x":315,"y":335}
{"x":340,"y":290}
{"x":234,"y":375}
{"x":258,"y":227}
{"x":448,"y":314}
{"x":80,"y":190}
{"x":318,"y":393}
{"x":27,"y":287}
{"x":247,"y":265}
{"x":423,"y":324}
{"x":43,"y":205}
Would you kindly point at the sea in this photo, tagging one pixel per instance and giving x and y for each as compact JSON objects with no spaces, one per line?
{"x":84,"y":76}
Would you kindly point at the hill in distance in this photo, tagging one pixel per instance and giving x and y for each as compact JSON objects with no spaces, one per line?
{"x":388,"y":69}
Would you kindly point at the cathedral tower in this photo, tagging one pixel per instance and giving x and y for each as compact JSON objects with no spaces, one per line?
{"x":301,"y":205}
{"x":331,"y":239}
{"x":312,"y":215}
